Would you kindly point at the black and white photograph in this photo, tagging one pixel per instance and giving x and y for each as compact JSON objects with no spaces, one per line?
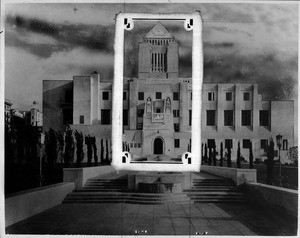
{"x":151,"y":118}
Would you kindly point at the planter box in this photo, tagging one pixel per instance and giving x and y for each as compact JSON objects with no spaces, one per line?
{"x":81,"y":175}
{"x":21,"y":205}
{"x":239,"y":176}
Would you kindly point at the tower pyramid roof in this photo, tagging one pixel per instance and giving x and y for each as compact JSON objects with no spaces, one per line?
{"x":158,"y":31}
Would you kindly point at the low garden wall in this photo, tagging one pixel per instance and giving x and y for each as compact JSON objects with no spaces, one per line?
{"x":282,"y":199}
{"x":21,"y":205}
{"x":81,"y":175}
{"x":239,"y":176}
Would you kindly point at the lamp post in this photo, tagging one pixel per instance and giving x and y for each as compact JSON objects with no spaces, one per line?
{"x":279,"y":143}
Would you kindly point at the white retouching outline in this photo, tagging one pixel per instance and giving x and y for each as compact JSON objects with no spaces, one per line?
{"x":117,"y":100}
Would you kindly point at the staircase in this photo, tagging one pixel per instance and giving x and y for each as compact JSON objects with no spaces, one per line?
{"x":215,"y":190}
{"x":115,"y":191}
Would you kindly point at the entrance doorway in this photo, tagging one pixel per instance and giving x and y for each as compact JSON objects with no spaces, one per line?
{"x":158,"y":146}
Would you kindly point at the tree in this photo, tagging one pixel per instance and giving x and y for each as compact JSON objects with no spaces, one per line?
{"x":51,"y":147}
{"x":209,"y":155}
{"x":250,"y":156}
{"x":205,"y":153}
{"x":238,"y":159}
{"x":88,"y":143}
{"x":293,"y":155}
{"x":102,"y":153}
{"x":229,"y":157}
{"x":270,"y":162}
{"x":60,"y":145}
{"x":69,"y":147}
{"x":221,"y":155}
{"x":93,"y":140}
{"x":107,"y":153}
{"x":79,"y":148}
{"x":214,"y":154}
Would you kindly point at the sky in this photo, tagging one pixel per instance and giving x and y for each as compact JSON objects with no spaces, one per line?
{"x":243,"y":42}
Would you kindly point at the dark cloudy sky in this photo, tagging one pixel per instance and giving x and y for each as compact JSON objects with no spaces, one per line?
{"x":242,"y":42}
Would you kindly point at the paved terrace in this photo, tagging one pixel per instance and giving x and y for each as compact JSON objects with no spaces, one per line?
{"x":174,"y":219}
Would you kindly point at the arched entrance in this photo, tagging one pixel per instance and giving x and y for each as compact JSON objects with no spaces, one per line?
{"x":158,"y":146}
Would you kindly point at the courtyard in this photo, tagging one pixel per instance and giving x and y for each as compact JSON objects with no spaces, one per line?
{"x":172,"y":219}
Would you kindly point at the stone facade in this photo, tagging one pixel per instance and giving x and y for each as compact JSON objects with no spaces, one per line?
{"x":157,"y":107}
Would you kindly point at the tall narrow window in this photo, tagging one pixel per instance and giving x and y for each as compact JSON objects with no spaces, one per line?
{"x":229,"y":96}
{"x":105,"y":116}
{"x":246,"y":143}
{"x":264,"y":119}
{"x":124,"y":95}
{"x":175,"y":96}
{"x":81,"y":119}
{"x":246,"y":96}
{"x":68,"y":96}
{"x":211,"y":96}
{"x":158,"y":95}
{"x":264,"y":144}
{"x":176,"y":127}
{"x":125,"y":117}
{"x":228,"y":117}
{"x":105,"y":95}
{"x":176,"y":113}
{"x":228,"y":143}
{"x":246,"y":117}
{"x":211,"y":143}
{"x":141,"y":96}
{"x":210,"y":117}
{"x":177,"y":143}
{"x":190,"y":117}
{"x":285,"y":145}
{"x":67,"y":116}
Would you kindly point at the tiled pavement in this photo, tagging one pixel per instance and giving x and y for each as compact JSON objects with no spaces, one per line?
{"x":132,"y":219}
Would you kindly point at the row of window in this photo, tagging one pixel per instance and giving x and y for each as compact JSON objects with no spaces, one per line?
{"x":158,"y":95}
{"x":228,"y":96}
{"x":264,"y":118}
{"x":141,"y":96}
{"x":264,"y":143}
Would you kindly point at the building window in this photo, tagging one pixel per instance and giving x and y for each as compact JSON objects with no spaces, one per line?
{"x":211,"y":96}
{"x":228,"y":117}
{"x":191,"y":96}
{"x":68,"y":96}
{"x":140,"y":112}
{"x":175,"y":96}
{"x":158,"y":95}
{"x":141,"y":96}
{"x":211,"y":143}
{"x":176,"y":113}
{"x":246,"y":96}
{"x":190,"y":117}
{"x":158,"y":110}
{"x":246,"y":143}
{"x":246,"y":117}
{"x":285,"y":144}
{"x":177,"y":143}
{"x":139,"y":126}
{"x":228,"y":143}
{"x":125,"y":117}
{"x":81,"y":119}
{"x":264,"y":118}
{"x":229,"y":96}
{"x":67,"y":116}
{"x":131,"y":145}
{"x":176,"y":127}
{"x":139,"y":145}
{"x":124,"y":95}
{"x":105,"y":116}
{"x":105,"y":95}
{"x":210,"y":117}
{"x":264,"y":144}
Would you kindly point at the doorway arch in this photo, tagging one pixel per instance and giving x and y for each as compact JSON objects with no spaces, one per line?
{"x":158,"y":146}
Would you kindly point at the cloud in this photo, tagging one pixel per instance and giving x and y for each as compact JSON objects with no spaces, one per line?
{"x":67,"y":36}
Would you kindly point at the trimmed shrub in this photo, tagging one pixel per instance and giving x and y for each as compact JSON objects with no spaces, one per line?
{"x":69,"y":147}
{"x":250,"y":156}
{"x":270,"y":162}
{"x":88,"y":143}
{"x":79,"y":148}
{"x":229,"y":157}
{"x":238,"y":159}
{"x":102,"y":153}
{"x":94,"y":145}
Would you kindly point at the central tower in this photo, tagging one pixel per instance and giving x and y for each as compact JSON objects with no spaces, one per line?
{"x":158,"y":54}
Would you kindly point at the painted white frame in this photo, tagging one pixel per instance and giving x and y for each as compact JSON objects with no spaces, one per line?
{"x":125,"y":21}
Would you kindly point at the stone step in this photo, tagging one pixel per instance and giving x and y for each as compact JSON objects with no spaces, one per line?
{"x":178,"y":199}
{"x":76,"y":193}
{"x":95,"y":189}
{"x":131,"y":201}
